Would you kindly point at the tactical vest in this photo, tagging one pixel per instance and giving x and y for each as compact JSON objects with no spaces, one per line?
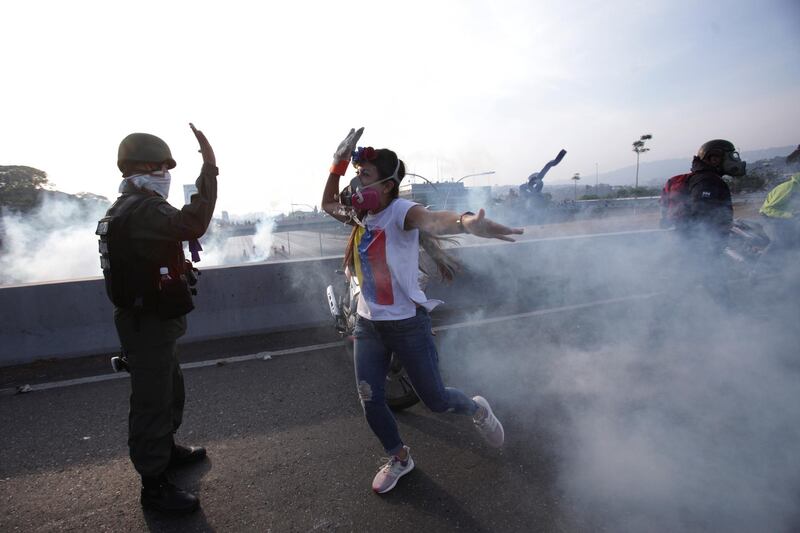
{"x":131,"y":266}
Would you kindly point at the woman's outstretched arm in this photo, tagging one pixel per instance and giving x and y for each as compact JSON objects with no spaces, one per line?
{"x":451,"y":223}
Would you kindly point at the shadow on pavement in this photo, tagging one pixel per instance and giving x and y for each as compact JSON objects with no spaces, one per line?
{"x":429,"y":498}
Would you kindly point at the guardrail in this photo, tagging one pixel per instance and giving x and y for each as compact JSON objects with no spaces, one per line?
{"x":74,"y":318}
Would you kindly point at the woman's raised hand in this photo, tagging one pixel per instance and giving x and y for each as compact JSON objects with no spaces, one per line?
{"x":346,"y":147}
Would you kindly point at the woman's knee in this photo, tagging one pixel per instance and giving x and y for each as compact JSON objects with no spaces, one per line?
{"x":369,"y":394}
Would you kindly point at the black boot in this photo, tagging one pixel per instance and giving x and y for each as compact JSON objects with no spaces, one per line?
{"x":161,"y":495}
{"x":184,"y":455}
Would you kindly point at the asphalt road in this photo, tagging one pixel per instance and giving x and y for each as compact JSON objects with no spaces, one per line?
{"x":289,"y":449}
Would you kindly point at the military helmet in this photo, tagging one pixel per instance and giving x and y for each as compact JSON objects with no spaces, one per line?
{"x":144,"y":148}
{"x":715,"y":147}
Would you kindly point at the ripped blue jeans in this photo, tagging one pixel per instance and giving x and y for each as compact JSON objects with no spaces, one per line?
{"x":411,"y":340}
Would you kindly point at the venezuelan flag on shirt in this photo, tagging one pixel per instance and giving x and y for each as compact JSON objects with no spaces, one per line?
{"x":371,"y":268}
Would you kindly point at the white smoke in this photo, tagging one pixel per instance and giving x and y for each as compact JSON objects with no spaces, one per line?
{"x":56,"y":241}
{"x":220,"y":249}
{"x":676,"y":413}
{"x":698,"y":432}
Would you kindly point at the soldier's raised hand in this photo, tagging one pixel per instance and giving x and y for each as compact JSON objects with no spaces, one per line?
{"x":205,"y":147}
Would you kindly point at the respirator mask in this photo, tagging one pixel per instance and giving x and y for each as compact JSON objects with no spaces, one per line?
{"x":732,"y":164}
{"x":365,"y":197}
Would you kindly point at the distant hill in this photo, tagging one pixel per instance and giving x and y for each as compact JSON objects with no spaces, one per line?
{"x":657,"y":172}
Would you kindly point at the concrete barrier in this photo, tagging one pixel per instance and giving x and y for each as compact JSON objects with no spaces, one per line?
{"x":74,"y":318}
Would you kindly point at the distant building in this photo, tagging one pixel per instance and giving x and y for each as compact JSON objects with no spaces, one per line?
{"x":453,"y":196}
{"x":188,"y":191}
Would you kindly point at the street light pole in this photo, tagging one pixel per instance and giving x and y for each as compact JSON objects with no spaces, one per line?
{"x":576,"y":177}
{"x":639,"y":148}
{"x":478,"y":174}
{"x":426,"y":180}
{"x":463,"y":178}
{"x":596,"y":177}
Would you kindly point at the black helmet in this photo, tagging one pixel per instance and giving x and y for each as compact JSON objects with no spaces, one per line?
{"x":144,"y":148}
{"x":730,"y":164}
{"x":715,"y":147}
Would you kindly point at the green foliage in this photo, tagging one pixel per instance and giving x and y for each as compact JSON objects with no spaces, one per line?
{"x":24,"y":188}
{"x":637,"y":192}
{"x":20,"y":186}
{"x":19,"y":177}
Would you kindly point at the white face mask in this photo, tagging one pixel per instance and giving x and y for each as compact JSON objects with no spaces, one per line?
{"x":157,"y":181}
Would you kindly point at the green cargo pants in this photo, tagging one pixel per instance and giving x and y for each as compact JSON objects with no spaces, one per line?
{"x":157,"y":391}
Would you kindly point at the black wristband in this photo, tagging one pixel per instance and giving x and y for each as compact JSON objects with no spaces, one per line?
{"x":460,"y":221}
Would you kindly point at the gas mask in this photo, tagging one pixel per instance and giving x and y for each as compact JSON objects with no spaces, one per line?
{"x":732,"y":164}
{"x":365,"y":197}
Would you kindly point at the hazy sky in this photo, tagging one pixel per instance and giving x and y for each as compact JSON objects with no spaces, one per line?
{"x":455,"y":87}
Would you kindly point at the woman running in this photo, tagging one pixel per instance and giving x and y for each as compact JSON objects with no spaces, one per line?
{"x":383,"y":252}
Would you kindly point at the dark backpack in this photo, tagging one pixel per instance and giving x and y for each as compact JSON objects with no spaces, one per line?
{"x":674,"y":199}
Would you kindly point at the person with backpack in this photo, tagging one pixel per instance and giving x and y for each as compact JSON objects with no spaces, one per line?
{"x":700,"y":201}
{"x":146,"y":279}
{"x":698,"y":205}
{"x":383,"y":252}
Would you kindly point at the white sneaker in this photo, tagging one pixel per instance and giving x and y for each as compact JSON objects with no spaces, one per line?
{"x":487,"y":424}
{"x":387,"y":476}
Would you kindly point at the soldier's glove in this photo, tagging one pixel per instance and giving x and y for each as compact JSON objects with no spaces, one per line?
{"x":341,"y":158}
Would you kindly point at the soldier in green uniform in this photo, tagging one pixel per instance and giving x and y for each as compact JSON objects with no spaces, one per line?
{"x":146,"y":279}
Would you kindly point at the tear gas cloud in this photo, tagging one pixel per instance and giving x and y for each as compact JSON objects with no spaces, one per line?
{"x":56,"y":241}
{"x":220,"y":250}
{"x":672,"y":412}
{"x":664,"y":413}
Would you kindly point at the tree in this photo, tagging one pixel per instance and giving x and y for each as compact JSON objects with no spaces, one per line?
{"x":20,"y":186}
{"x":20,"y":177}
{"x":636,"y":192}
{"x":576,"y":177}
{"x":639,"y":148}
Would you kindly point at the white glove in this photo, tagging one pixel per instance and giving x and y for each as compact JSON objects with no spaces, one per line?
{"x":346,"y":147}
